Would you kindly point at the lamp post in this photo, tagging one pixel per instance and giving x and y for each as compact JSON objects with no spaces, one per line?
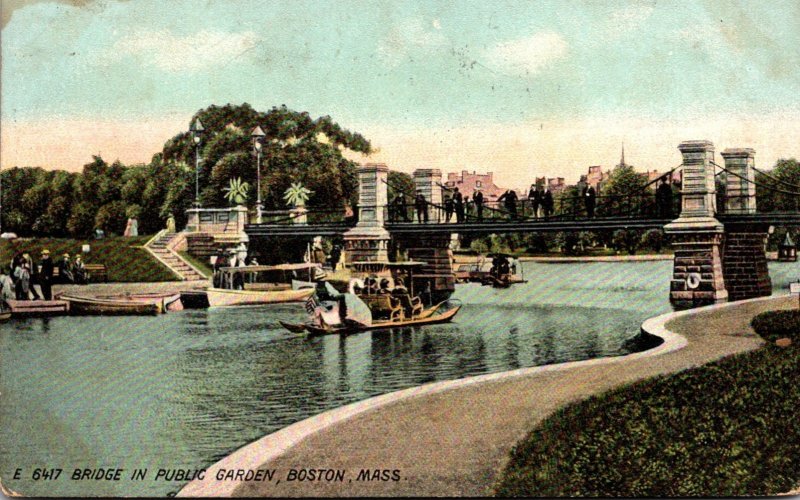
{"x":196,"y":129}
{"x":258,"y":143}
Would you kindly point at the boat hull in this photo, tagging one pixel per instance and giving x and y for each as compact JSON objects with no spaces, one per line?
{"x":36,"y":308}
{"x":426,"y":318}
{"x":165,"y":301}
{"x":89,"y":306}
{"x":218,"y":297}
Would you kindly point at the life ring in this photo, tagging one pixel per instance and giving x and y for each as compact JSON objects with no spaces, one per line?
{"x":355,"y":282}
{"x":693,"y":280}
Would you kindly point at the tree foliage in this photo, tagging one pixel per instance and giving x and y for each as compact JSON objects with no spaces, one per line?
{"x":297,"y":148}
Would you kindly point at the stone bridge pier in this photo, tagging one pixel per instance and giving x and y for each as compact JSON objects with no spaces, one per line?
{"x":716,"y":263}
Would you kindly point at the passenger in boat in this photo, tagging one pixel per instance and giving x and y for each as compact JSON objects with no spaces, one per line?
{"x":46,"y":275}
{"x":384,"y":287}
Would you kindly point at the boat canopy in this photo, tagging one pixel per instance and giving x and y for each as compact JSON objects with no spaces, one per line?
{"x":280,"y":267}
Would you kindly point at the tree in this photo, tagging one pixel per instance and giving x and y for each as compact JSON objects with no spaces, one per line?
{"x":785,"y":176}
{"x":627,"y":239}
{"x":624,"y":193}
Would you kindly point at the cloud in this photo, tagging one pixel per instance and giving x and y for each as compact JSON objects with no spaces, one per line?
{"x":169,"y":52}
{"x":408,"y":38}
{"x":527,"y":56}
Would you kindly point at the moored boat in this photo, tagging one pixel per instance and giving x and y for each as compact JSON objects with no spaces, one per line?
{"x":256,"y":285}
{"x":166,"y":301}
{"x":91,"y":306}
{"x":36,"y":308}
{"x":220,"y":297}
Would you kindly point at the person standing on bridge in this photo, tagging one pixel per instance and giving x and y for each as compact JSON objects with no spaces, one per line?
{"x":547,"y":203}
{"x":477,"y":197}
{"x":664,"y":199}
{"x":448,"y":208}
{"x":589,"y":197}
{"x":458,"y":201}
{"x":533,"y":199}
{"x":421,"y":205}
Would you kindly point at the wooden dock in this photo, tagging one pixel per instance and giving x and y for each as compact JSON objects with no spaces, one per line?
{"x":31,"y":308}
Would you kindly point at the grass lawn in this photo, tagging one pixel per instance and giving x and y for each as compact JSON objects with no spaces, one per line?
{"x":728,"y":428}
{"x":125,"y":262}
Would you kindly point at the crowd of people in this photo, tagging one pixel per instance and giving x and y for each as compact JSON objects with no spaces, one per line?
{"x":25,"y":275}
{"x":540,"y":204}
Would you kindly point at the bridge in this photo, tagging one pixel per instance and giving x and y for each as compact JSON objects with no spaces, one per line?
{"x":719,"y":251}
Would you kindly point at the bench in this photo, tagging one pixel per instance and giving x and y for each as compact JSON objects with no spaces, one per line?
{"x":95,"y":272}
{"x":383,"y":306}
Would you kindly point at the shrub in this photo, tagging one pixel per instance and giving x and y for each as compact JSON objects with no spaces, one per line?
{"x":773,"y":325}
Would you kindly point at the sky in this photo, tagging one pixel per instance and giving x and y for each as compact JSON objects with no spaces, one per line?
{"x":521,"y":89}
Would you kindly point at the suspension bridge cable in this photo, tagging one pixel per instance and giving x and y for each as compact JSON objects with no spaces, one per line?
{"x":777,"y":190}
{"x":796,"y":186}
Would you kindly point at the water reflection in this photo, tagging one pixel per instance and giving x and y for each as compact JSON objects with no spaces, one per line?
{"x":185,"y":389}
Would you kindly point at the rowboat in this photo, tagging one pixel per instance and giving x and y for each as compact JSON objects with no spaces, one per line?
{"x":220,"y":297}
{"x":442,"y":312}
{"x":167,"y":301}
{"x":110,"y":307}
{"x":36,"y":308}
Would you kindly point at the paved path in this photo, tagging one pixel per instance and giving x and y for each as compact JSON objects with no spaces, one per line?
{"x":455,"y":442}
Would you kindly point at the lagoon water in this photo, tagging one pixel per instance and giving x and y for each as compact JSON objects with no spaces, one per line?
{"x":182,"y":390}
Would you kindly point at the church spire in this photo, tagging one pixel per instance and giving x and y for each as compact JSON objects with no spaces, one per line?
{"x":622,"y":157}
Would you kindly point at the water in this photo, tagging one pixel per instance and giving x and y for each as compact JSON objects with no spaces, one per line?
{"x":185,"y":389}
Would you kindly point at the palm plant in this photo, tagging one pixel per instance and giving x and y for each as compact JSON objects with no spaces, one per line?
{"x":296,"y":195}
{"x":236,"y":192}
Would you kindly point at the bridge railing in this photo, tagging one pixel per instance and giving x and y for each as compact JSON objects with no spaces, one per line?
{"x":640,"y":205}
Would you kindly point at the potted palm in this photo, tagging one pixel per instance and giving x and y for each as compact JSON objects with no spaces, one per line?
{"x":296,"y":196}
{"x":236,"y":192}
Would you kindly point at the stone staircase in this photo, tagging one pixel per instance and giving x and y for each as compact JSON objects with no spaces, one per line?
{"x":159,"y":246}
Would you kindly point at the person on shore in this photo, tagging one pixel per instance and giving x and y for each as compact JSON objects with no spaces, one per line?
{"x":534,"y":200}
{"x":477,"y":197}
{"x":448,"y":208}
{"x":171,"y":223}
{"x":421,"y":206}
{"x":79,"y":271}
{"x":35,"y":272}
{"x":65,"y":270}
{"x":46,"y":275}
{"x":6,"y":287}
{"x":589,"y":197}
{"x":547,"y":203}
{"x":22,"y":280}
{"x":458,"y":201}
